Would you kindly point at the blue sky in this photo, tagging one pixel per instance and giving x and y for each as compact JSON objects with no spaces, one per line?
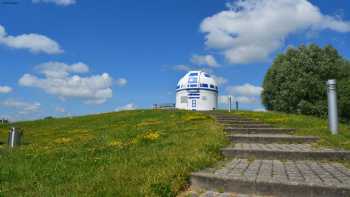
{"x":137,"y":51}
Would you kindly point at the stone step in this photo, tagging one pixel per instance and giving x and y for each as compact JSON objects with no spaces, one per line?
{"x":234,"y":119}
{"x":224,"y":115}
{"x":238,"y":130}
{"x":248,"y":125}
{"x":220,"y":194}
{"x":284,"y":151}
{"x":231,"y":118}
{"x":239,"y":122}
{"x":271,"y":138}
{"x":277,"y":178}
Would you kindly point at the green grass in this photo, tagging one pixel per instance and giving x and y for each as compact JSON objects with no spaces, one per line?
{"x":131,"y":153}
{"x":305,"y":125}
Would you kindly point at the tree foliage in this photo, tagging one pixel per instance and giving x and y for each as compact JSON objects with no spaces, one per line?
{"x":296,"y":81}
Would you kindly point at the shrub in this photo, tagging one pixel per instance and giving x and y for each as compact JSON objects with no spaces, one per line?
{"x":296,"y":81}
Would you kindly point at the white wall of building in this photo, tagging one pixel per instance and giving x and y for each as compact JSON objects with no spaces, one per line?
{"x":197,"y":92}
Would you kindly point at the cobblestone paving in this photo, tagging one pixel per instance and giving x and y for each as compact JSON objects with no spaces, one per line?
{"x":280,"y":147}
{"x":239,"y":121}
{"x":260,"y":129}
{"x":217,"y":194}
{"x":312,"y":177}
{"x":245,"y":130}
{"x":266,"y":135}
{"x":250,"y":125}
{"x":288,"y":172}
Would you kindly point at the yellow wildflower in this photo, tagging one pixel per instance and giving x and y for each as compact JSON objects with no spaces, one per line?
{"x":134,"y":141}
{"x":63,"y":140}
{"x":195,"y":117}
{"x":151,"y":135}
{"x":116,"y":143}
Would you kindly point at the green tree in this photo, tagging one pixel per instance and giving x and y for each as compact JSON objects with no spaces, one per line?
{"x":296,"y":81}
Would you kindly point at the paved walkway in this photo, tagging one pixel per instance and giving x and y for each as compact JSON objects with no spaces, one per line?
{"x":226,"y":194}
{"x":273,"y":164}
{"x":270,"y":138}
{"x":289,"y":172}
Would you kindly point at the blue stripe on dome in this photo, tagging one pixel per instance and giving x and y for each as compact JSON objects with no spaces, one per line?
{"x":213,"y":90}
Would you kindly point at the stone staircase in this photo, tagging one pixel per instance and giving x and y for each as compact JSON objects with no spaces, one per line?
{"x":269,"y":161}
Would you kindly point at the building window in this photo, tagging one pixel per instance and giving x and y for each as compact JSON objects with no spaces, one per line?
{"x":193,"y":85}
{"x":192,"y":80}
{"x":177,"y":87}
{"x":184,"y":99}
{"x":204,"y":85}
{"x":193,"y":74}
{"x":207,"y":75}
{"x":212,"y":86}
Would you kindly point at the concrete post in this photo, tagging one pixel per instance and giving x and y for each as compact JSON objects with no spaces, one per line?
{"x":229,"y":103}
{"x":14,"y":137}
{"x":332,"y":106}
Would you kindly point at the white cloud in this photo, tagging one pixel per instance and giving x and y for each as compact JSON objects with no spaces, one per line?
{"x":260,"y":110}
{"x":61,"y":80}
{"x":60,"y":70}
{"x":241,"y":99}
{"x":245,"y":90}
{"x":246,"y":99}
{"x":251,"y":30}
{"x":186,"y":68}
{"x":244,"y":94}
{"x":219,"y":80}
{"x":22,"y":107}
{"x":129,"y":106}
{"x":204,"y":60}
{"x":58,"y":2}
{"x":35,"y":43}
{"x":5,"y":89}
{"x":121,"y":82}
{"x":182,"y":67}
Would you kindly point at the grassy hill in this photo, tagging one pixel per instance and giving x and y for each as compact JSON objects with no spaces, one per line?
{"x":131,"y":153}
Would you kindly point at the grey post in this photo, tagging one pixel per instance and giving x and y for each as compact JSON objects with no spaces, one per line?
{"x":237,"y":107}
{"x":229,"y":103}
{"x":332,"y":106}
{"x":14,"y":137}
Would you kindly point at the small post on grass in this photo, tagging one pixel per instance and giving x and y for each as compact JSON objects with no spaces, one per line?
{"x":14,"y":137}
{"x":237,"y":107}
{"x":229,"y":103}
{"x":332,"y":106}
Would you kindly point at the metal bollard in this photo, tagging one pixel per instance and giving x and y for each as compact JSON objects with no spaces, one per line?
{"x":14,"y":138}
{"x":229,"y":103}
{"x":332,"y":106}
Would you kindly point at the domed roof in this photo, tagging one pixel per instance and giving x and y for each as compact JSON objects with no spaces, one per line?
{"x":197,"y":79}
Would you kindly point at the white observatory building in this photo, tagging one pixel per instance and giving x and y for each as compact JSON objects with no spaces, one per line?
{"x":197,"y":91}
